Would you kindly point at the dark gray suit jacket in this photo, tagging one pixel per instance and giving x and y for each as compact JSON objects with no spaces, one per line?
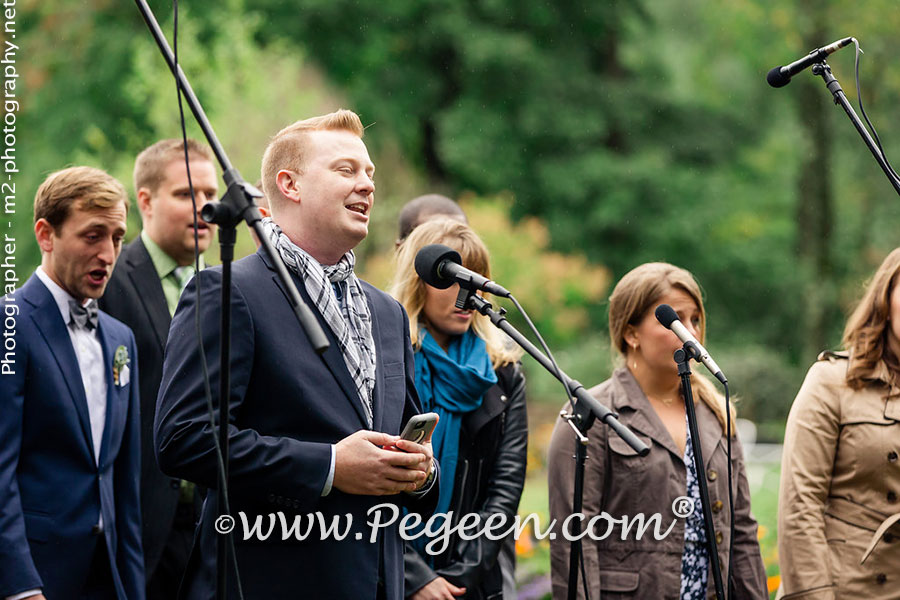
{"x":135,"y":297}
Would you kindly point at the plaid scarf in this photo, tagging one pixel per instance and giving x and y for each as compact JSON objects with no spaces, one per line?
{"x":350,"y":320}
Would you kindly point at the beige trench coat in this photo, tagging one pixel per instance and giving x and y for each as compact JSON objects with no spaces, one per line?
{"x":839,"y":516}
{"x":621,"y":483}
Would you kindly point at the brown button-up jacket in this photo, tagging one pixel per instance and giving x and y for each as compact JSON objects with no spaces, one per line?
{"x":839,"y":515}
{"x":621,"y":483}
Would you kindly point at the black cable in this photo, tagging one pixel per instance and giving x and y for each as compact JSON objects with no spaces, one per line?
{"x":220,"y":461}
{"x":859,"y":100}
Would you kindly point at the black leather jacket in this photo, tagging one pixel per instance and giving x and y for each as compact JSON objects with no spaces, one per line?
{"x":490,"y":475}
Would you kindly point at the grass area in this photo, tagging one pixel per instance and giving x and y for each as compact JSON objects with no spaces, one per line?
{"x":533,"y":566}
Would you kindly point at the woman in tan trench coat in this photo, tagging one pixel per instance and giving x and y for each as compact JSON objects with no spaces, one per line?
{"x":839,"y":515}
{"x":647,"y":396}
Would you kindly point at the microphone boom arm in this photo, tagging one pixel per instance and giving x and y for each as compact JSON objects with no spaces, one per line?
{"x":586,"y":403}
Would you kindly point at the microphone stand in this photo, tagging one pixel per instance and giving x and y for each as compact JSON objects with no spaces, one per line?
{"x":236,"y":205}
{"x":586,"y":410}
{"x":823,"y":70}
{"x":682,"y":357}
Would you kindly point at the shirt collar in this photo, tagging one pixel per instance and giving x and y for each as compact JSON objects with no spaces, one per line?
{"x":162,"y":262}
{"x":60,"y":296}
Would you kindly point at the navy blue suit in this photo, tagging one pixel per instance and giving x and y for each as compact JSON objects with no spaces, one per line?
{"x":52,"y":490}
{"x":288,"y":405}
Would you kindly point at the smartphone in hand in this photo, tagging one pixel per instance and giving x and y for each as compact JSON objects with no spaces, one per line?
{"x":418,"y":428}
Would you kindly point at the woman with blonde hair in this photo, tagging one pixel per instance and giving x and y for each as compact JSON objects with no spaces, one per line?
{"x":470,"y":376}
{"x":646,"y":393}
{"x":839,"y":517}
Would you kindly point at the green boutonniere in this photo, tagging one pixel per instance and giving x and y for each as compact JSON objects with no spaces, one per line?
{"x":121,"y":372}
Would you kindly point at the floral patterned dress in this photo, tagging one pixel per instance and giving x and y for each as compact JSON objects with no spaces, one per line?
{"x":695,"y":560}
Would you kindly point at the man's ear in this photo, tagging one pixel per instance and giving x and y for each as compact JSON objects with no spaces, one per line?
{"x":44,"y":233}
{"x":288,"y":183}
{"x":143,"y":202}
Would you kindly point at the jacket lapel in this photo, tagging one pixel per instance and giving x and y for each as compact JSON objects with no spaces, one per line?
{"x":645,"y":419}
{"x":48,"y":320}
{"x":145,"y":279}
{"x":711,"y":432}
{"x":378,"y":392}
{"x":492,"y":404}
{"x":332,"y":357}
{"x":636,"y":412}
{"x":106,"y":342}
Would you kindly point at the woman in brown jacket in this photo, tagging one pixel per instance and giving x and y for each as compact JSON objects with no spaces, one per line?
{"x":839,"y":516}
{"x":646,"y":394}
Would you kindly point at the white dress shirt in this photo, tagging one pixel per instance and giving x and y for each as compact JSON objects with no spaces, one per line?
{"x":89,"y":353}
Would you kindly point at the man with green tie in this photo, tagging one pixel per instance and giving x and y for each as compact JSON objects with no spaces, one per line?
{"x":143,"y":293}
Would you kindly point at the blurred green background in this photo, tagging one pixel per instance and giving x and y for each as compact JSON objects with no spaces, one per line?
{"x":583,"y":138}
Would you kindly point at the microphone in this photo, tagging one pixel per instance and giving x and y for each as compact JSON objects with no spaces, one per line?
{"x":666,"y":315}
{"x":441,"y":267}
{"x":781,"y":76}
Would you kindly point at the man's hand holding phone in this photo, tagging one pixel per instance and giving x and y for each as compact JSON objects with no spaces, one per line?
{"x":416,"y":438}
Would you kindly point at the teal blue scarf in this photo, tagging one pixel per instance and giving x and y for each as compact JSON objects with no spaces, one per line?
{"x":451,"y":383}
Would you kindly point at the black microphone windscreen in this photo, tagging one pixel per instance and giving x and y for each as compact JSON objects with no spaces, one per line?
{"x":428,"y":261}
{"x":776,"y":79}
{"x":665,"y":314}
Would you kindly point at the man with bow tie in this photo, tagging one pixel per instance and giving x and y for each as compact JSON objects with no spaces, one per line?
{"x":70,"y":521}
{"x":143,"y":293}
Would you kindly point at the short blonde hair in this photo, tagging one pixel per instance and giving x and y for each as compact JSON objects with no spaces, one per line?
{"x":151,"y":163}
{"x":93,"y":188}
{"x":287,"y":148}
{"x":638,"y":293}
{"x":409,"y":289}
{"x":867,"y":330}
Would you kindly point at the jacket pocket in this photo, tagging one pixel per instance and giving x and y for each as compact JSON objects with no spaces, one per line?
{"x":394,"y":369}
{"x":626,"y":455}
{"x":618,"y":581}
{"x":37,"y":526}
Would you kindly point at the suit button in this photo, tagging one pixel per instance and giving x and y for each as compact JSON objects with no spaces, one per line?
{"x":176,"y":484}
{"x":712,"y":475}
{"x":96,"y":530}
{"x":891,"y":497}
{"x":271,"y":497}
{"x":719,"y":537}
{"x":892,"y":456}
{"x":717,"y":506}
{"x":881,"y":578}
{"x":503,"y":398}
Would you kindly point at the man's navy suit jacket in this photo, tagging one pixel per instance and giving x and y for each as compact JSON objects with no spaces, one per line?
{"x":52,"y":491}
{"x":288,"y":405}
